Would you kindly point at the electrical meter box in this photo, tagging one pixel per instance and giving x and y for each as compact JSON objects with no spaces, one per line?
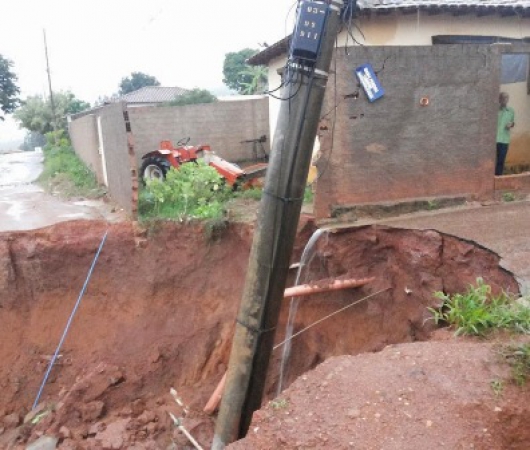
{"x":308,"y":32}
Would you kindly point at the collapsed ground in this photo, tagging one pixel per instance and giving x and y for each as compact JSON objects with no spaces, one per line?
{"x":159,"y":313}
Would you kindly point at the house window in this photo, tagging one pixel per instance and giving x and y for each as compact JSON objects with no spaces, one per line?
{"x":514,"y":68}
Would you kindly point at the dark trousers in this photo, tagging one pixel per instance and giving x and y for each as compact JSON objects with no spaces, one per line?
{"x":502,"y":151}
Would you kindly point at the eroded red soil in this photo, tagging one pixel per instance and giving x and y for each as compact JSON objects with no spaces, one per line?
{"x":159,"y":313}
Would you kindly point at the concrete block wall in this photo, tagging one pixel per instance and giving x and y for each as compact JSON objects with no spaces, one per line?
{"x":395,"y":149}
{"x":119,"y":168}
{"x":84,"y":136}
{"x":223,"y":125}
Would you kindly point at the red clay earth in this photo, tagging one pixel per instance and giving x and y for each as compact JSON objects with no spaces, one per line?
{"x":160,"y":310}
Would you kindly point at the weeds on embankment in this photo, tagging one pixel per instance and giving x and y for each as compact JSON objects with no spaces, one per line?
{"x":64,"y":173}
{"x":478,"y":312}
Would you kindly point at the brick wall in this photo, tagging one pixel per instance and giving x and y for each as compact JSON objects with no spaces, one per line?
{"x":84,"y":136}
{"x":223,"y":125}
{"x":395,"y":149}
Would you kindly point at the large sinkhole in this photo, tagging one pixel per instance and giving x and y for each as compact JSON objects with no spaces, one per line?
{"x":160,"y":310}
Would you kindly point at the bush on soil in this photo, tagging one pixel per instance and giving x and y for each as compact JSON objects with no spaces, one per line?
{"x":194,"y":191}
{"x":65,"y":172}
{"x":477,"y":311}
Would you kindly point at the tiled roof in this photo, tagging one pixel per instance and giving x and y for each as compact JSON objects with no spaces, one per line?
{"x":394,"y":4}
{"x":366,"y":7}
{"x":153,"y":94}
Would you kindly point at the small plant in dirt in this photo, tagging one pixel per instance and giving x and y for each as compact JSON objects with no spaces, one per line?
{"x":279,"y":403}
{"x":508,"y":197}
{"x":497,"y":386}
{"x":478,"y":311}
{"x":64,"y":172}
{"x":194,"y":191}
{"x":518,"y":357}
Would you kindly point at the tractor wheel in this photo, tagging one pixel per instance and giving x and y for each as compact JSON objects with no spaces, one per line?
{"x":154,"y":168}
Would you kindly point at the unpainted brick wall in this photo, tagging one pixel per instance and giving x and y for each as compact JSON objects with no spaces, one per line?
{"x":395,"y":149}
{"x":223,"y":125}
{"x":119,"y":167}
{"x":84,"y":136}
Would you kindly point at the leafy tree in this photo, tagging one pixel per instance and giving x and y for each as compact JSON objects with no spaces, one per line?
{"x":36,"y":115}
{"x":136,"y":81}
{"x":258,"y":80}
{"x":8,"y":89}
{"x":193,"y":97}
{"x":238,"y":75}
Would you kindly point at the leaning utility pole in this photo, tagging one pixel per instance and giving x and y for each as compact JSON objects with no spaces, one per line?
{"x":304,"y":82}
{"x":52,"y":102}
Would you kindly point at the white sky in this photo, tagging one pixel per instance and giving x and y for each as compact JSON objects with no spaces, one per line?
{"x":94,"y":43}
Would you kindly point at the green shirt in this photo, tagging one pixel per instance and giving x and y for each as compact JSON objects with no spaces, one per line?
{"x":506,"y":116}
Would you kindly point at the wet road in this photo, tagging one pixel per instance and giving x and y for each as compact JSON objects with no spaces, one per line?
{"x":25,"y":206}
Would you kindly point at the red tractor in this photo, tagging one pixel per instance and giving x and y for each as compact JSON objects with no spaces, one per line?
{"x":156,"y":164}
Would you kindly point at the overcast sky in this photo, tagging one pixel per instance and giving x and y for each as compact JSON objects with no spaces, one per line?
{"x":94,"y":43}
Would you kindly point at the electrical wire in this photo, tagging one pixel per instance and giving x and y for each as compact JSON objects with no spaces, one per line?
{"x":329,"y":316}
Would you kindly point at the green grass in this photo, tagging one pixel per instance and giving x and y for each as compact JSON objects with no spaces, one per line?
{"x":477,"y":311}
{"x":252,"y":193}
{"x":518,"y":357}
{"x":508,"y":197}
{"x":308,"y":194}
{"x":67,"y":175}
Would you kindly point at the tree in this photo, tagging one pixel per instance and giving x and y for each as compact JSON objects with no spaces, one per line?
{"x":8,"y":89}
{"x":136,"y":81}
{"x":237,"y":73}
{"x":258,"y":81}
{"x":193,"y":97}
{"x":36,"y":115}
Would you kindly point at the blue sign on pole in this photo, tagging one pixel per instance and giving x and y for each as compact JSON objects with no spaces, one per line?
{"x":369,"y":81}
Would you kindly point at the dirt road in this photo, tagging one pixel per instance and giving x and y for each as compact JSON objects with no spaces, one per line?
{"x":25,"y":206}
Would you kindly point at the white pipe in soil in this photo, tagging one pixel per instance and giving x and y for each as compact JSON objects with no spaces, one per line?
{"x":186,"y":432}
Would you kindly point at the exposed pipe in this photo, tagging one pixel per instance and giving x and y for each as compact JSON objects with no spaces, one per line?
{"x":324,"y":286}
{"x":70,"y":319}
{"x":216,"y":397}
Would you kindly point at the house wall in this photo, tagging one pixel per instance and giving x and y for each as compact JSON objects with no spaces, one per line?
{"x":395,"y":149}
{"x":417,"y":29}
{"x":84,"y":136}
{"x":223,"y":125}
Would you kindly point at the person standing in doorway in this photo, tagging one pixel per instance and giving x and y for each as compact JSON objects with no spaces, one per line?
{"x":504,"y":126}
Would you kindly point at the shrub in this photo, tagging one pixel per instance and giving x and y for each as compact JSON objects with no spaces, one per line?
{"x":477,"y":311}
{"x":194,"y":191}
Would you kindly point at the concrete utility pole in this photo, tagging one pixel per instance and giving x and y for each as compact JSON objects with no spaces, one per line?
{"x":304,"y":89}
{"x":52,"y":102}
